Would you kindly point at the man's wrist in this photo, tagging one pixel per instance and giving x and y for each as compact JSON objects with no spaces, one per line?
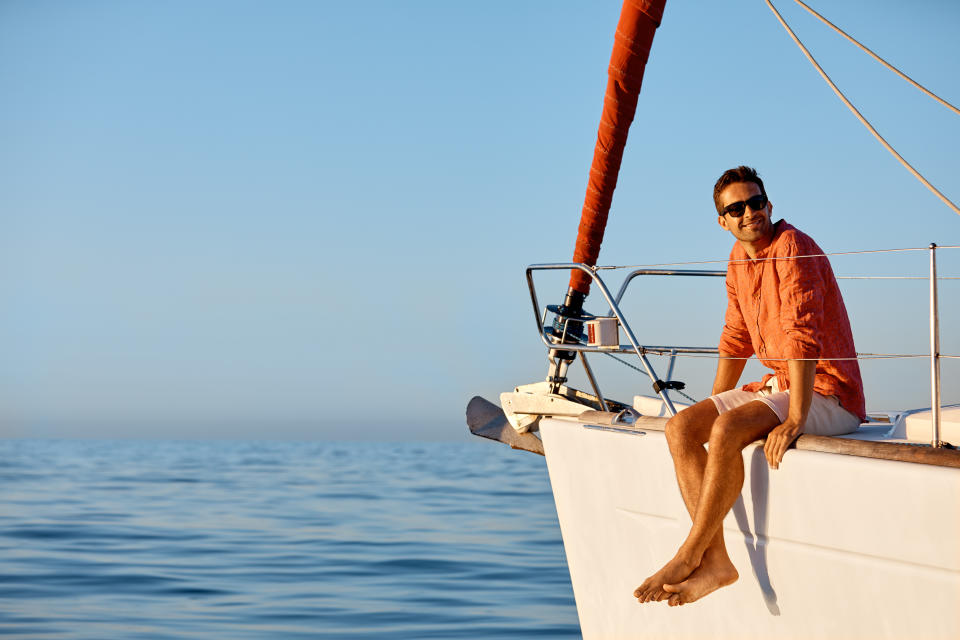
{"x":793,"y":424}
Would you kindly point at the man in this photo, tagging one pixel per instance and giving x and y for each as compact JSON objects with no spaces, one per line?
{"x":785,"y":307}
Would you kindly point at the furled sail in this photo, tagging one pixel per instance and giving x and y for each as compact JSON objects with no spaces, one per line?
{"x":639,"y":20}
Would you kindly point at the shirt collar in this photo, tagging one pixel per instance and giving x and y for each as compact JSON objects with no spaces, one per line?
{"x":779,"y":227}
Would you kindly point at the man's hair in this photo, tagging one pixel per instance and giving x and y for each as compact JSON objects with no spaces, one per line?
{"x":730,"y":176}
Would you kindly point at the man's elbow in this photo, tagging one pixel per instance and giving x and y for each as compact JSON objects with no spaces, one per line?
{"x":801,"y":347}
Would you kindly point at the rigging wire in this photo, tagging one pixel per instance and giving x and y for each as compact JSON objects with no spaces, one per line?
{"x":859,"y":116}
{"x":879,"y":59}
{"x":638,"y":369}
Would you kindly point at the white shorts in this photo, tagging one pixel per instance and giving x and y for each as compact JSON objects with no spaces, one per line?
{"x":825,"y":418}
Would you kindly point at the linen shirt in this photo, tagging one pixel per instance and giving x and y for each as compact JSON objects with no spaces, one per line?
{"x":783,"y":307}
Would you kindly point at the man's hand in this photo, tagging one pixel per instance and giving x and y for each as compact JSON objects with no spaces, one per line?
{"x":802,"y":375}
{"x":778,"y":440}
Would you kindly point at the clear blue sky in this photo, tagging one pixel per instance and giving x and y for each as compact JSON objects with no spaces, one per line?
{"x":311,"y":219}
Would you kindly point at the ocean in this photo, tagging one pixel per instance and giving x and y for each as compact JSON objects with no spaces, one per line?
{"x":248,"y":539}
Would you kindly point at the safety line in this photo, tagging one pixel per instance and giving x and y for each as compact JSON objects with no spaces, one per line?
{"x":748,"y":260}
{"x":862,"y":356}
{"x":927,"y":278}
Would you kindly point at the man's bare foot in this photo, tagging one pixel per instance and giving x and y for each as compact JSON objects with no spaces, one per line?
{"x":711,"y":575}
{"x":652,"y":588}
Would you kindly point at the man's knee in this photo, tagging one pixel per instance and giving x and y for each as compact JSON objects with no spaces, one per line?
{"x":727,"y":433}
{"x":680,"y":431}
{"x":675,"y":428}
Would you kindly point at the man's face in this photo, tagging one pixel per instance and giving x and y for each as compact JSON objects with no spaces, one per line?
{"x":753,"y":229}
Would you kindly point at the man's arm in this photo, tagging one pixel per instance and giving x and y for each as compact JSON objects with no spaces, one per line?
{"x":735,"y":338}
{"x":801,"y":373}
{"x":801,"y":286}
{"x":729,"y":369}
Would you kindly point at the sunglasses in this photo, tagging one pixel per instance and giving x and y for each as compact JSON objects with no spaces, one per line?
{"x":736,"y":209}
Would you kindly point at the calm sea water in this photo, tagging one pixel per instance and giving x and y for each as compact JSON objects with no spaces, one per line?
{"x":159,"y":539}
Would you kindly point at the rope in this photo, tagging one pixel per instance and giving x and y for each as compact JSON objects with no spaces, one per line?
{"x":859,"y":116}
{"x":880,"y":60}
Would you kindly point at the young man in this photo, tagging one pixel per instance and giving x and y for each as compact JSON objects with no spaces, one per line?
{"x":785,"y":307}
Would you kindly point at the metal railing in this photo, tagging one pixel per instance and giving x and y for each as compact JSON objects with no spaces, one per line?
{"x":934,"y":349}
{"x":551,"y":340}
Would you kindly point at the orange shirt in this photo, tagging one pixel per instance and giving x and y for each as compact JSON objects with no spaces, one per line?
{"x":791,"y":309}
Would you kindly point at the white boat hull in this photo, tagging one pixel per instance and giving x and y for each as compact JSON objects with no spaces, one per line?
{"x":828,"y":546}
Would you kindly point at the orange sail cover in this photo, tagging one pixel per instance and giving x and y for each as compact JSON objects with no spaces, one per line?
{"x":639,"y":20}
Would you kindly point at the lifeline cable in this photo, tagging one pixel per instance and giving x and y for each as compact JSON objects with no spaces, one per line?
{"x":746,"y":260}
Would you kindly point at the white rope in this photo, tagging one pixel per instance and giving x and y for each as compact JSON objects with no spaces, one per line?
{"x":860,"y":117}
{"x":880,"y":60}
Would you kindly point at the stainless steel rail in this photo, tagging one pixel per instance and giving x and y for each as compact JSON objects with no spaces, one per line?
{"x":602,"y":287}
{"x":665,"y":272}
{"x":934,"y":349}
{"x":673,"y":351}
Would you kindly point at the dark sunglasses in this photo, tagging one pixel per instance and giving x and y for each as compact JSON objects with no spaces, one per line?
{"x":736,"y":209}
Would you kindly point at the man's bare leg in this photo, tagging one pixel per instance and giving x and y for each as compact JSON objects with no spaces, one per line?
{"x":686,"y":434}
{"x":701,"y":572}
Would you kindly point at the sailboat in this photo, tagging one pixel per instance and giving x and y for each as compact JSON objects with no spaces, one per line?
{"x":854,"y":537}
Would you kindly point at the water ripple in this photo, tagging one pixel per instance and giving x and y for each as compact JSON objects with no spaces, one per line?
{"x":132,"y":539}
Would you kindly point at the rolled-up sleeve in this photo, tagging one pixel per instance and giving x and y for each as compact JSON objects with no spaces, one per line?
{"x":783,"y":306}
{"x":801,"y":303}
{"x":735,"y":338}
